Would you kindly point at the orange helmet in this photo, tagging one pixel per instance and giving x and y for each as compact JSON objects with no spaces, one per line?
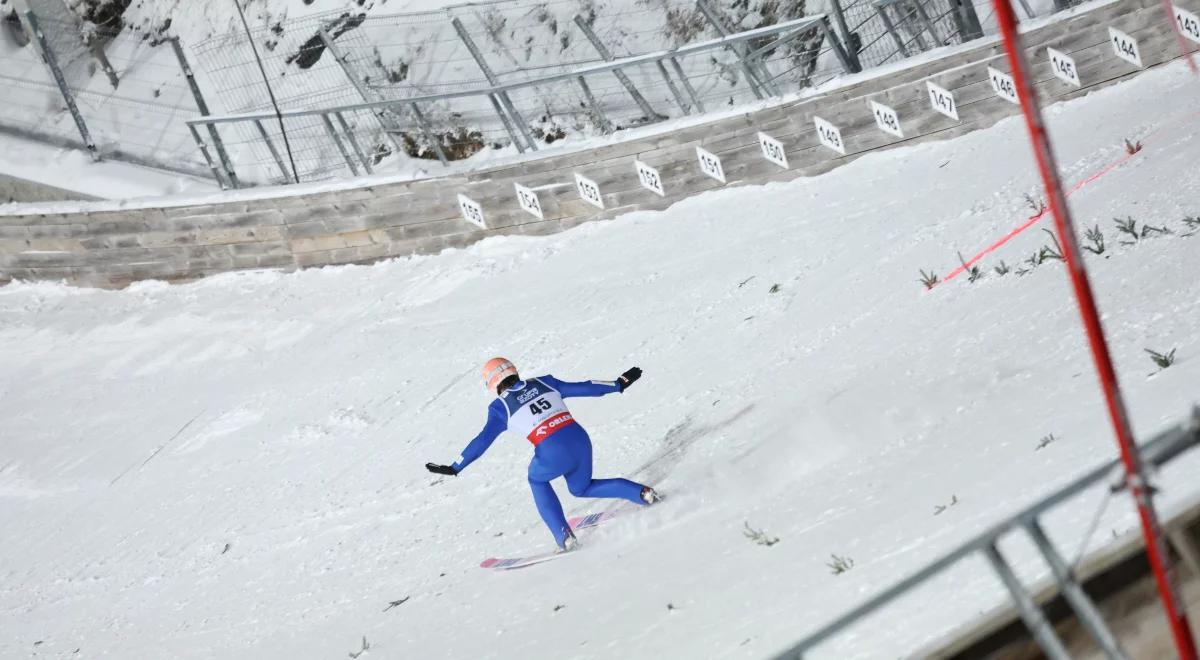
{"x":495,"y":371}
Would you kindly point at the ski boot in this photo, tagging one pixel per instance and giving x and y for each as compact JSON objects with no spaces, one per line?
{"x":650,"y":496}
{"x":569,"y":542}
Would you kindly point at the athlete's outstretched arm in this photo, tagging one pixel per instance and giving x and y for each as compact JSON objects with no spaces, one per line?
{"x":593,"y":387}
{"x":497,"y":423}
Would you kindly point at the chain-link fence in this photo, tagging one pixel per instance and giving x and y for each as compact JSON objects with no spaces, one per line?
{"x":883,"y":31}
{"x":438,"y":66}
{"x":403,"y":92}
{"x":130,"y":94}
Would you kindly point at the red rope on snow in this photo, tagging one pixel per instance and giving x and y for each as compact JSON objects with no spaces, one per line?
{"x":1033,"y":220}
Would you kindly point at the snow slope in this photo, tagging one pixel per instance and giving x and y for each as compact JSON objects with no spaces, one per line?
{"x":233,"y":468}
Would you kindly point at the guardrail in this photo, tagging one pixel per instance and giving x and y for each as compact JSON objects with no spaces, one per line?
{"x":345,"y":132}
{"x":1161,"y":449}
{"x":435,"y":73}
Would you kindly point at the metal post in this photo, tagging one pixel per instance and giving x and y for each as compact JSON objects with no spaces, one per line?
{"x":687,"y":85}
{"x":891,"y":28}
{"x":1135,"y":472}
{"x":202,"y":106}
{"x":624,"y":79}
{"x":1027,"y":8}
{"x":362,"y":157}
{"x":967,"y":20}
{"x":754,"y":74}
{"x":93,"y":44}
{"x":287,"y":143}
{"x":1034,"y":619}
{"x":491,"y":77}
{"x":338,"y":141}
{"x":386,"y":122}
{"x":929,"y":26}
{"x":597,"y":112}
{"x":848,"y":64}
{"x":52,"y":62}
{"x":212,"y":165}
{"x":671,"y":86}
{"x":851,"y":51}
{"x":437,"y":146}
{"x":262,"y":131}
{"x":1088,"y":615}
{"x":781,"y":40}
{"x":508,"y":127}
{"x":905,"y":17}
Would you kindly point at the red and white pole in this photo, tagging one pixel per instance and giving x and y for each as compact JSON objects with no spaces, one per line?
{"x":1169,"y":10}
{"x":1168,"y":589}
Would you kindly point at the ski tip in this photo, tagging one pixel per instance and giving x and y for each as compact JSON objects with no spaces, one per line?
{"x":489,"y":562}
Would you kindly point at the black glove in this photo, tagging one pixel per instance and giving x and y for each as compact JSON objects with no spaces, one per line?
{"x":628,"y":377}
{"x":441,"y":469}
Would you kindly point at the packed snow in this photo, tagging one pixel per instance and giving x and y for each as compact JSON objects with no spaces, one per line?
{"x":75,"y":171}
{"x":234,"y":467}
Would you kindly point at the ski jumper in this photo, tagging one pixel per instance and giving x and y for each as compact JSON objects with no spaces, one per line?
{"x":535,"y":409}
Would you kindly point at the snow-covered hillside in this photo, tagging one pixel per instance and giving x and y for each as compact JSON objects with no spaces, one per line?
{"x":233,"y":468}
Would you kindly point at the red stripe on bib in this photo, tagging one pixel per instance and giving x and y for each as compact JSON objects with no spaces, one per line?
{"x":548,"y":427}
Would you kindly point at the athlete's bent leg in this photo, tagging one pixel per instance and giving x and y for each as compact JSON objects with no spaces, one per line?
{"x":580,"y":481}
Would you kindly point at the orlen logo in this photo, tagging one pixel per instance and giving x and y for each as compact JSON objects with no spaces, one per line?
{"x":549,"y":426}
{"x":528,"y":394}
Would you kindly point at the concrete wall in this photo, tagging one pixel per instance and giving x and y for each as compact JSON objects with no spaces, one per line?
{"x":15,"y":189}
{"x":112,"y":248}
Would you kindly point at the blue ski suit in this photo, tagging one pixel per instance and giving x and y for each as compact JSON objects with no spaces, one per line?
{"x":535,"y":408}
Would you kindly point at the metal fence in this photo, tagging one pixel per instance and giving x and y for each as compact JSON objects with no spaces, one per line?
{"x":406,"y":92}
{"x":1156,"y":452}
{"x":77,"y":84}
{"x":883,"y":31}
{"x":374,"y":105}
{"x":403,"y":92}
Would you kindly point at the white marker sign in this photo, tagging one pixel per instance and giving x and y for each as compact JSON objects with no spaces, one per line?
{"x":649,"y":178}
{"x":1125,"y":46}
{"x":1189,"y":23}
{"x":471,"y":211}
{"x":710,"y":164}
{"x":829,"y":135}
{"x":886,"y":119}
{"x":772,"y":150}
{"x":1003,"y":85}
{"x":942,"y":100}
{"x":1064,"y":68}
{"x":529,"y":201}
{"x":589,"y":191}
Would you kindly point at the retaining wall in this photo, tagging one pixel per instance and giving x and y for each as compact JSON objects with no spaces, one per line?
{"x":281,"y":229}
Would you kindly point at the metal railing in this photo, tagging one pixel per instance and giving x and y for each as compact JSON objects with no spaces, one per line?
{"x":1158,"y":451}
{"x":403,"y":92}
{"x":354,"y":133}
{"x":81,"y":85}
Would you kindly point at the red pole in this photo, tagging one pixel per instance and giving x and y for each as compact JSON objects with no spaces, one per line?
{"x":1156,"y":550}
{"x":1183,"y":44}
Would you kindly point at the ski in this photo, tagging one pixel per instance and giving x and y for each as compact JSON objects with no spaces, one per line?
{"x":577,"y":523}
{"x":592,"y":519}
{"x":520,"y":562}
